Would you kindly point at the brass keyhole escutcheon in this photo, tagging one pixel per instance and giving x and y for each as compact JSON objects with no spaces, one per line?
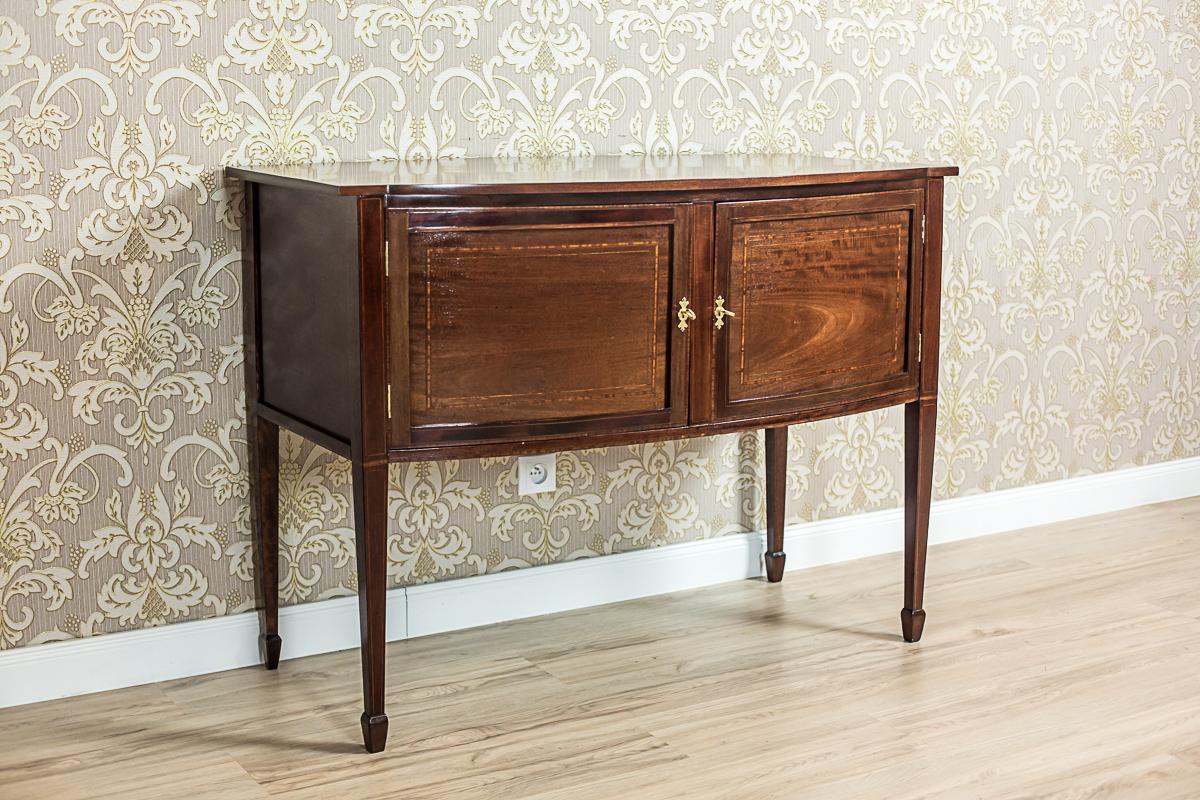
{"x":720,"y":312}
{"x":685,"y":314}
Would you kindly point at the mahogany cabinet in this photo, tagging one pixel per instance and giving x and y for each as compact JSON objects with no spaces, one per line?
{"x":398,"y":312}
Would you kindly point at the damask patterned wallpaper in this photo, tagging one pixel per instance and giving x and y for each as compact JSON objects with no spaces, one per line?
{"x":1072,"y":287}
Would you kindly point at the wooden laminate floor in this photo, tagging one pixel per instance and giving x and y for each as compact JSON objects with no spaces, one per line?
{"x":1061,"y":661}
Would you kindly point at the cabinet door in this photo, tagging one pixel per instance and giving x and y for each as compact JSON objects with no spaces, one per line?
{"x":824,"y":293}
{"x":535,"y":321}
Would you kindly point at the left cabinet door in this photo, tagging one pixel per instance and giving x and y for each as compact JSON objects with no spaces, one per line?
{"x":510,"y":323}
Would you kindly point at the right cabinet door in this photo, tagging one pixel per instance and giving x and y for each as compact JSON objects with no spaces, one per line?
{"x":824,"y":300}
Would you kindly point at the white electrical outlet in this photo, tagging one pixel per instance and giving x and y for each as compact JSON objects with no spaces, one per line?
{"x":536,"y":474}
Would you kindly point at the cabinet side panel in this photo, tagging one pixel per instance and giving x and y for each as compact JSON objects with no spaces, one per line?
{"x":308,"y":306}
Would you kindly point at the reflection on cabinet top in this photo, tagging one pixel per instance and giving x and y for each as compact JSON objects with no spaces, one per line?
{"x":581,"y":175}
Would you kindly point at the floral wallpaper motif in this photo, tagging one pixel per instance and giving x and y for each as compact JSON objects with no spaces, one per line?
{"x":1072,"y":261}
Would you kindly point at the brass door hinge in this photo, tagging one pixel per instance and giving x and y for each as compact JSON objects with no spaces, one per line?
{"x":389,"y":400}
{"x":922,"y":229}
{"x":920,"y":347}
{"x":387,"y":257}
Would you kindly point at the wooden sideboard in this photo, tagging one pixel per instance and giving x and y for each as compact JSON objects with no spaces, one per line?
{"x":482,"y":307}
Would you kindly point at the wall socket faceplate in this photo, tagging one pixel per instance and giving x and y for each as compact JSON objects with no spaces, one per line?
{"x":536,"y":474}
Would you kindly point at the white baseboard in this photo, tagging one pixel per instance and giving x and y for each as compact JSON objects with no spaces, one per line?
{"x":131,"y":658}
{"x":63,"y":669}
{"x":470,"y":602}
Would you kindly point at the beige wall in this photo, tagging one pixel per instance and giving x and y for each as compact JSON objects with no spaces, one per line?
{"x":1072,"y":305}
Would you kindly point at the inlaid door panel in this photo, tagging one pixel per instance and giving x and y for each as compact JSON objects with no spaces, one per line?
{"x":824,"y":295}
{"x":521,"y":321}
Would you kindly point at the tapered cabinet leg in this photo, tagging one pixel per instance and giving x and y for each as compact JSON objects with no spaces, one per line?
{"x":920,"y":418}
{"x":262,"y":442}
{"x":776,"y":458}
{"x":370,"y":532}
{"x":264,"y":524}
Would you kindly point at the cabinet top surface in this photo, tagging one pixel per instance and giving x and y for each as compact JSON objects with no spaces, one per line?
{"x":582,"y":174}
